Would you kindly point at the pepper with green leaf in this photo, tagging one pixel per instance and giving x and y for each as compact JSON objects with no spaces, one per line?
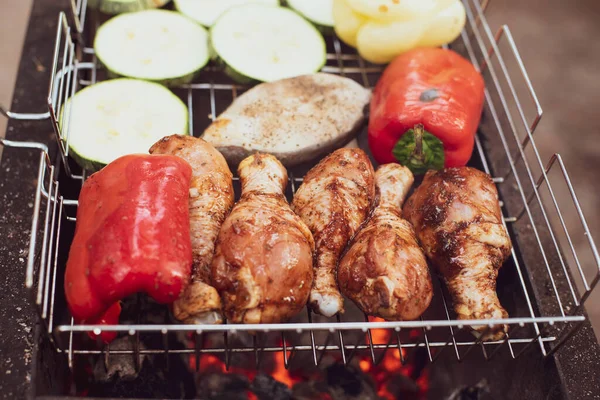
{"x":425,"y":110}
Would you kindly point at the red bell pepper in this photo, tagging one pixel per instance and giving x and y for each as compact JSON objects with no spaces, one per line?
{"x":110,"y":317}
{"x":425,"y":110}
{"x":132,"y":235}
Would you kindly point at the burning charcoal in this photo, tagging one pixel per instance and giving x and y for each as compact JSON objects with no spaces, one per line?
{"x":118,"y":375}
{"x":267,"y":388}
{"x":222,"y":386}
{"x":348,"y":382}
{"x":311,"y":390}
{"x":480,"y":391}
{"x":339,"y":375}
{"x":122,"y":366}
{"x":141,"y":308}
{"x":153,"y":381}
{"x":419,"y":362}
{"x":403,"y":387}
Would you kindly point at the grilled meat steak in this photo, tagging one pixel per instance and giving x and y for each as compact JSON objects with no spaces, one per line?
{"x":297,"y":119}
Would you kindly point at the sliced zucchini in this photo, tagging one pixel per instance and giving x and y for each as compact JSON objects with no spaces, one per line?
{"x":118,"y":117}
{"x":207,"y":12}
{"x":124,"y":6}
{"x":319,"y":12}
{"x":266,"y":43}
{"x":156,"y":45}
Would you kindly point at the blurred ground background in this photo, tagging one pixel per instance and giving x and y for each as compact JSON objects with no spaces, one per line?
{"x":13,"y":23}
{"x":559,"y":44}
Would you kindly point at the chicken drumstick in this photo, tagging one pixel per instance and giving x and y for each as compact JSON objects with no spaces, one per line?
{"x":211,"y":199}
{"x":457,"y":218}
{"x":334,"y":199}
{"x":384,"y":271}
{"x":263,"y":260}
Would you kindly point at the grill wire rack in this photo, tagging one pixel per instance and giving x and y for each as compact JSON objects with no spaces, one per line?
{"x":508,"y":128}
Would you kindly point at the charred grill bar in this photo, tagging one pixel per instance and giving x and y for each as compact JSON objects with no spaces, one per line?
{"x":551,"y":351}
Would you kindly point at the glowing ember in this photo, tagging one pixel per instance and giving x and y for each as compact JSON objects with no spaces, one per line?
{"x":281,"y":374}
{"x":251,"y":396}
{"x":385,"y":374}
{"x":208,"y":363}
{"x":391,"y":365}
{"x":212,"y":363}
{"x":365,"y":365}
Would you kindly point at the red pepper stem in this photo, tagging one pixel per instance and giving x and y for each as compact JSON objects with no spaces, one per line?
{"x":418,"y":154}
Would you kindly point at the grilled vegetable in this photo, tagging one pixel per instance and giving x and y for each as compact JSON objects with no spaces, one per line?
{"x":297,"y":119}
{"x":110,"y":317}
{"x":264,"y":43}
{"x":118,"y":117}
{"x":207,"y":12}
{"x":123,"y":6}
{"x":319,"y":12}
{"x":132,"y":235}
{"x":383,"y":29}
{"x":425,"y":110}
{"x":156,"y":45}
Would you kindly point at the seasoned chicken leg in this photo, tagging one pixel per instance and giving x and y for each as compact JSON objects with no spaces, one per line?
{"x":457,"y":218}
{"x":211,"y":199}
{"x":334,"y":199}
{"x":263,"y":260}
{"x":384,"y":271}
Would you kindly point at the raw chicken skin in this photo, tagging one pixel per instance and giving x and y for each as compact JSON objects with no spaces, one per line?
{"x":211,"y":199}
{"x":384,"y":271}
{"x":263,"y":260}
{"x":457,"y":218}
{"x":334,"y":199}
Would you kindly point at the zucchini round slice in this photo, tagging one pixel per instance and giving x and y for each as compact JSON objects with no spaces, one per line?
{"x":118,"y":117}
{"x":156,"y":45}
{"x":265,"y":43}
{"x":124,"y":6}
{"x":206,"y":12}
{"x":319,"y":12}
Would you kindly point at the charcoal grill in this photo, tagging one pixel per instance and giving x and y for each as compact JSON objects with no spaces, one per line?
{"x":544,"y":285}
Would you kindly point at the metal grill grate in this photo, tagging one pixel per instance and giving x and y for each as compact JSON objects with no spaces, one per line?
{"x":506,"y":127}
